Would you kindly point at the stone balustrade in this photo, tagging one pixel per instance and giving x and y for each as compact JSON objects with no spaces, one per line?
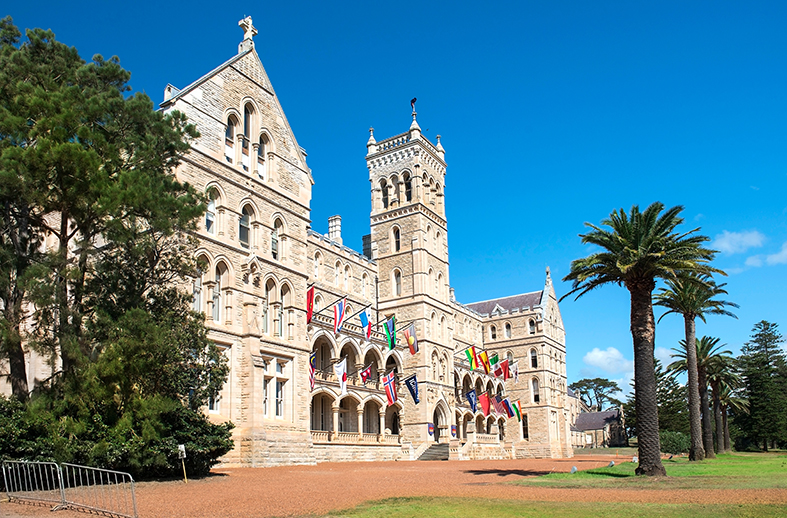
{"x":326,"y":437}
{"x":487,"y":438}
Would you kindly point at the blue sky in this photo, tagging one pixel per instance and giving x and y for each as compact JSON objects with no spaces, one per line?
{"x":552,"y":114}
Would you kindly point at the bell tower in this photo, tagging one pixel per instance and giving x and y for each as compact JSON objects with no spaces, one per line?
{"x":409,"y":241}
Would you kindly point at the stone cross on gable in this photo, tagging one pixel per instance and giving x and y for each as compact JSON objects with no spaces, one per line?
{"x":248,"y":29}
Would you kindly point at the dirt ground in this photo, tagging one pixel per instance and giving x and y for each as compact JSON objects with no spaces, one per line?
{"x":302,"y":490}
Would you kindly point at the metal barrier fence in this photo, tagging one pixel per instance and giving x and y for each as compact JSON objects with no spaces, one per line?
{"x":71,"y":486}
{"x":36,"y":481}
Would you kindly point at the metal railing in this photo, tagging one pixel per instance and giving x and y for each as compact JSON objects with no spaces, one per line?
{"x":33,"y":481}
{"x":71,"y":486}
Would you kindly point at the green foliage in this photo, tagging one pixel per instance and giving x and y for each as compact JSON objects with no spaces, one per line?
{"x":763,"y":369}
{"x":674,"y":442}
{"x":672,"y":403}
{"x":598,"y":392}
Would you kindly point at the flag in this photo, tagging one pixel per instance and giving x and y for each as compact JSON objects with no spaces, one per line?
{"x":366,"y":321}
{"x":412,"y":386}
{"x":473,"y":400}
{"x":430,"y":428}
{"x":515,"y":371}
{"x":453,"y":430}
{"x":493,"y":359}
{"x":341,"y":373}
{"x":506,"y":371}
{"x":409,"y":337}
{"x":312,"y":368}
{"x":366,"y":373}
{"x":497,"y":402}
{"x":309,"y":304}
{"x":507,"y":406}
{"x":517,"y":410}
{"x":389,"y":382}
{"x":338,"y":314}
{"x":470,"y":352}
{"x":390,"y":332}
{"x":484,"y":400}
{"x":484,"y":361}
{"x":497,"y":368}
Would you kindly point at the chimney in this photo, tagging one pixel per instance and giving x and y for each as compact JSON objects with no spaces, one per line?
{"x":335,"y":229}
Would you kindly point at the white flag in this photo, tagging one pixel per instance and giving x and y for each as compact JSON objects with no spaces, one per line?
{"x":515,"y":371}
{"x":341,"y":372}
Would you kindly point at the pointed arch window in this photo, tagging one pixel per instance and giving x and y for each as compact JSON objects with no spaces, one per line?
{"x":397,"y":239}
{"x":532,"y":326}
{"x":384,"y":188}
{"x":408,"y":188}
{"x":277,"y":246}
{"x":220,"y":277}
{"x":533,"y":359}
{"x":397,"y":280}
{"x":244,"y":227}
{"x":210,"y":213}
{"x":347,"y":277}
{"x":317,"y":264}
{"x":534,"y":385}
{"x":261,"y":149}
{"x":229,"y":139}
{"x":508,"y":330}
{"x":493,"y":332}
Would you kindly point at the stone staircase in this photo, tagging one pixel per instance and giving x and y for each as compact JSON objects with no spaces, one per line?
{"x":436,"y":452}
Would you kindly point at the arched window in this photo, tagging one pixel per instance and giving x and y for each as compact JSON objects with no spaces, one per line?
{"x":525,"y":431}
{"x":270,"y":294}
{"x":442,"y":328}
{"x":277,"y":247}
{"x":533,"y":359}
{"x":317,"y":264}
{"x":432,"y":280}
{"x":427,"y":236}
{"x":438,"y":289}
{"x":202,"y":262}
{"x":317,"y":303}
{"x":434,"y":366}
{"x":229,"y":139}
{"x":534,"y":393}
{"x":286,"y":323}
{"x":261,"y":149}
{"x":365,"y":285}
{"x":510,"y":358}
{"x":337,"y":271}
{"x":508,"y":330}
{"x":210,"y":214}
{"x":493,"y":332}
{"x":408,"y":188}
{"x":532,"y":325}
{"x":247,"y":117}
{"x":347,"y":277}
{"x":438,"y":239}
{"x":244,"y":226}
{"x":397,"y":281}
{"x":384,"y":188}
{"x":396,"y":240}
{"x":221,"y":281}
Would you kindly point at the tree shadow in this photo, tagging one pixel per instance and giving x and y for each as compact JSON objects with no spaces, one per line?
{"x":508,"y":472}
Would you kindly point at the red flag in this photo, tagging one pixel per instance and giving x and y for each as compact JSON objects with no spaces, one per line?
{"x":484,"y":400}
{"x":366,"y":373}
{"x":309,"y":304}
{"x":506,"y":371}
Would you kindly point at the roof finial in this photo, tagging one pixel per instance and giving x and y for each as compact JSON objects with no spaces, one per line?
{"x":249,"y":31}
{"x":371,"y":144}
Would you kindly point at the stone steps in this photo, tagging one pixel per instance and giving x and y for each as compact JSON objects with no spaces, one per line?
{"x":436,"y":452}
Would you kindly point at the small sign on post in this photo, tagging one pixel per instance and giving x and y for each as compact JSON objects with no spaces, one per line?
{"x":181,"y":456}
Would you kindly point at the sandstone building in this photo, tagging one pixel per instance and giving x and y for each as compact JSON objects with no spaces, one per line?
{"x":261,"y":255}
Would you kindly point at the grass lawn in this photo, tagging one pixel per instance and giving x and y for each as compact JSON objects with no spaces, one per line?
{"x":731,"y":471}
{"x":480,"y":508}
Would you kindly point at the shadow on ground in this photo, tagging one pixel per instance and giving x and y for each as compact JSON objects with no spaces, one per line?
{"x":508,"y":472}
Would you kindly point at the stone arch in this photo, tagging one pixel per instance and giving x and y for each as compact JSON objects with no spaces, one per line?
{"x":348,"y":412}
{"x":372,"y":355}
{"x":441,"y":420}
{"x":393,"y":418}
{"x":394,"y":357}
{"x":321,"y":411}
{"x":353,"y":355}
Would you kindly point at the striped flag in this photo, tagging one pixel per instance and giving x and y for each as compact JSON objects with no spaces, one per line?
{"x":409,"y":337}
{"x":366,"y":321}
{"x":471,"y":357}
{"x":389,"y":382}
{"x":338,"y":314}
{"x":497,"y":402}
{"x":517,"y":410}
{"x":341,"y":373}
{"x":312,"y":369}
{"x":484,"y":361}
{"x":390,"y":332}
{"x":507,"y":406}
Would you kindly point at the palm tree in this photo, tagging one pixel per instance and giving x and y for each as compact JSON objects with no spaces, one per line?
{"x":729,"y":399}
{"x":637,"y":249}
{"x":707,"y":349}
{"x":721,"y":374}
{"x":693,"y":296}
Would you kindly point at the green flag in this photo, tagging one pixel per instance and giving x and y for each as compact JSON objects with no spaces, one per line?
{"x":390,"y":332}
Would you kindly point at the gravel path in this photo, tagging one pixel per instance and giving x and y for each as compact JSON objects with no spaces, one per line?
{"x":299,"y":490}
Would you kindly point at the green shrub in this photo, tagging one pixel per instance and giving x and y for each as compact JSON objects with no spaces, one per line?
{"x":674,"y":442}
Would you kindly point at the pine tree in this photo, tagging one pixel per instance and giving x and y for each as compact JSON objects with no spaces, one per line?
{"x":763,"y":367}
{"x":673,"y":409}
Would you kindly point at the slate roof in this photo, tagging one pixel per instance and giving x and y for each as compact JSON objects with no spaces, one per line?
{"x":596,"y":420}
{"x":525,"y":300}
{"x":570,"y":392}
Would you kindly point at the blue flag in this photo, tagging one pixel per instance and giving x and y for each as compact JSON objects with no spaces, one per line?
{"x":412,"y":386}
{"x":473,"y":400}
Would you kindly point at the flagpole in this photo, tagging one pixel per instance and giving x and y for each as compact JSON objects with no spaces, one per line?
{"x":359,"y":312}
{"x":330,"y":305}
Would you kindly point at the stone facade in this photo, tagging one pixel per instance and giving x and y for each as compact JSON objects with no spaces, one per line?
{"x":259,"y":256}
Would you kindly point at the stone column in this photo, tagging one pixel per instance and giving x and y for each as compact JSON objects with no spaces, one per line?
{"x":270,"y":167}
{"x":228,"y":307}
{"x":210,"y":286}
{"x":382,"y":427}
{"x":360,"y":422}
{"x":470,"y":434}
{"x":335,"y":429}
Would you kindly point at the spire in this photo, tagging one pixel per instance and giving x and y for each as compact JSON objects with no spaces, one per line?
{"x":249,"y":31}
{"x":440,"y":148}
{"x":371,"y":144}
{"x":415,"y":129}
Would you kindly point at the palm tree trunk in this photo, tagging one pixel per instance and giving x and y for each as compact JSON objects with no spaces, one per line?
{"x":717,"y":414}
{"x":643,"y":330}
{"x":707,"y":430}
{"x":727,"y":447}
{"x":696,"y":451}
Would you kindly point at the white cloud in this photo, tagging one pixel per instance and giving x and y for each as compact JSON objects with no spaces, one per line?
{"x":611,"y":360}
{"x":664,"y":355}
{"x":778,"y":258}
{"x":738,"y":242}
{"x":755,"y":260}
